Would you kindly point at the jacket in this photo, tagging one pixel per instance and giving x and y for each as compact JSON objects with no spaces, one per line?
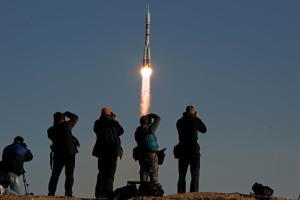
{"x":145,"y":135}
{"x":63,"y":141}
{"x":13,"y":158}
{"x":188,"y":127}
{"x":108,"y":132}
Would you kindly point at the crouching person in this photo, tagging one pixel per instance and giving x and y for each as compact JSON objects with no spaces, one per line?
{"x":12,"y":165}
{"x":107,"y":149}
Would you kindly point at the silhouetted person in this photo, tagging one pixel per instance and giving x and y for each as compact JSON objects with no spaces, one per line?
{"x":64,"y":147}
{"x":148,"y":147}
{"x":107,"y":149}
{"x":12,"y":165}
{"x":189,"y":152}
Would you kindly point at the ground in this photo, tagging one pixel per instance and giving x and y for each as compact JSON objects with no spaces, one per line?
{"x":186,"y":196}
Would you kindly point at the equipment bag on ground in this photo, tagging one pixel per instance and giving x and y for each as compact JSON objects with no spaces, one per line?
{"x":150,"y":189}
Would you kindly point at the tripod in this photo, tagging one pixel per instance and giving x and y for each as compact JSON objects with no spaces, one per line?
{"x":26,"y":185}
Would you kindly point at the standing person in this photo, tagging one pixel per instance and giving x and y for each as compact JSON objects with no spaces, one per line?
{"x":188,"y":149}
{"x":63,"y":150}
{"x":107,"y":149}
{"x":148,"y":147}
{"x":12,"y":165}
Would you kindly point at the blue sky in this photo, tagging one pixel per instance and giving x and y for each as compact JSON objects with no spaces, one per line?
{"x":236,"y":61}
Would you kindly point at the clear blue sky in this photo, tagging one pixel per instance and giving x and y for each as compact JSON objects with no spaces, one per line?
{"x":236,"y":61}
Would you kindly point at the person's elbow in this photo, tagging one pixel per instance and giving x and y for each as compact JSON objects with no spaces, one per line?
{"x":155,"y":117}
{"x":157,"y":120}
{"x":203,"y":130}
{"x":28,"y":156}
{"x":95,"y":129}
{"x":121,"y":131}
{"x":75,"y":119}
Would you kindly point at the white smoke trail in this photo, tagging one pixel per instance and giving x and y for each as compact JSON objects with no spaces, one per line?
{"x":145,"y":91}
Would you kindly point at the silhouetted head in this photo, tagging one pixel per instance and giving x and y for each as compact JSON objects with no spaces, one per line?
{"x":19,"y":140}
{"x":58,"y":117}
{"x":106,"y":111}
{"x":190,"y":109}
{"x":145,"y":120}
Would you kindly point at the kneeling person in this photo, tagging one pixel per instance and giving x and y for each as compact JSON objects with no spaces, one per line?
{"x":11,"y":166}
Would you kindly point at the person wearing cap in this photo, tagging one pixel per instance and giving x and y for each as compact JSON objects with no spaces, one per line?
{"x":12,"y":165}
{"x":188,"y":149}
{"x":63,"y":150}
{"x":148,"y":147}
{"x":107,"y":149}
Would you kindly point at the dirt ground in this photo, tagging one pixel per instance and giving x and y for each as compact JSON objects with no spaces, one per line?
{"x":186,"y":196}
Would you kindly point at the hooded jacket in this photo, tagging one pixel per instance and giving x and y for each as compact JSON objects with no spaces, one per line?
{"x":13,"y":158}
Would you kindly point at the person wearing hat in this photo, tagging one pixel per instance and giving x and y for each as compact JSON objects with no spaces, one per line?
{"x":188,"y":149}
{"x":12,"y":165}
{"x":63,"y":150}
{"x":107,"y":149}
{"x":148,"y":147}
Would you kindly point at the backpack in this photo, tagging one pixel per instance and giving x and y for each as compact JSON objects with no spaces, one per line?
{"x":136,"y":153}
{"x":126,"y":192}
{"x":161,"y":156}
{"x":150,"y":189}
{"x":177,"y":151}
{"x":262,"y":190}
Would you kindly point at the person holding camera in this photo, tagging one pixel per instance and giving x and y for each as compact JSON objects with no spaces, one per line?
{"x":107,"y":149}
{"x":188,"y":149}
{"x":148,"y":147}
{"x":12,"y":165}
{"x":63,"y":150}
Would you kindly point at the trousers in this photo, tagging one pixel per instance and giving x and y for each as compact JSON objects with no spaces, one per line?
{"x":194,"y":162}
{"x":149,"y":167}
{"x":10,"y":181}
{"x":106,"y":174}
{"x":59,"y":162}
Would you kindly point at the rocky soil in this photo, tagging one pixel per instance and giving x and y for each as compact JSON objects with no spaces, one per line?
{"x":186,"y":196}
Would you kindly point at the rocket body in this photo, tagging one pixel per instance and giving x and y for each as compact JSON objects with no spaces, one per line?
{"x":147,"y":58}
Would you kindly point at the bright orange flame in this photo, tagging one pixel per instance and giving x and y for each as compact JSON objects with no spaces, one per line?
{"x":145,"y":90}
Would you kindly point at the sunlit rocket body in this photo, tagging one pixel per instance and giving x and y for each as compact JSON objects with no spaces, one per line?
{"x":147,"y":58}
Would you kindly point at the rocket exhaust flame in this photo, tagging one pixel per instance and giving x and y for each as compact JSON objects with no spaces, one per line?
{"x":145,"y":90}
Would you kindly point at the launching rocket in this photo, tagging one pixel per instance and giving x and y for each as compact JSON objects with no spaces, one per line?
{"x":146,"y":58}
{"x":146,"y":71}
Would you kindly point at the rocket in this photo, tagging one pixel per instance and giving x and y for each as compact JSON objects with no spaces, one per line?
{"x":146,"y":58}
